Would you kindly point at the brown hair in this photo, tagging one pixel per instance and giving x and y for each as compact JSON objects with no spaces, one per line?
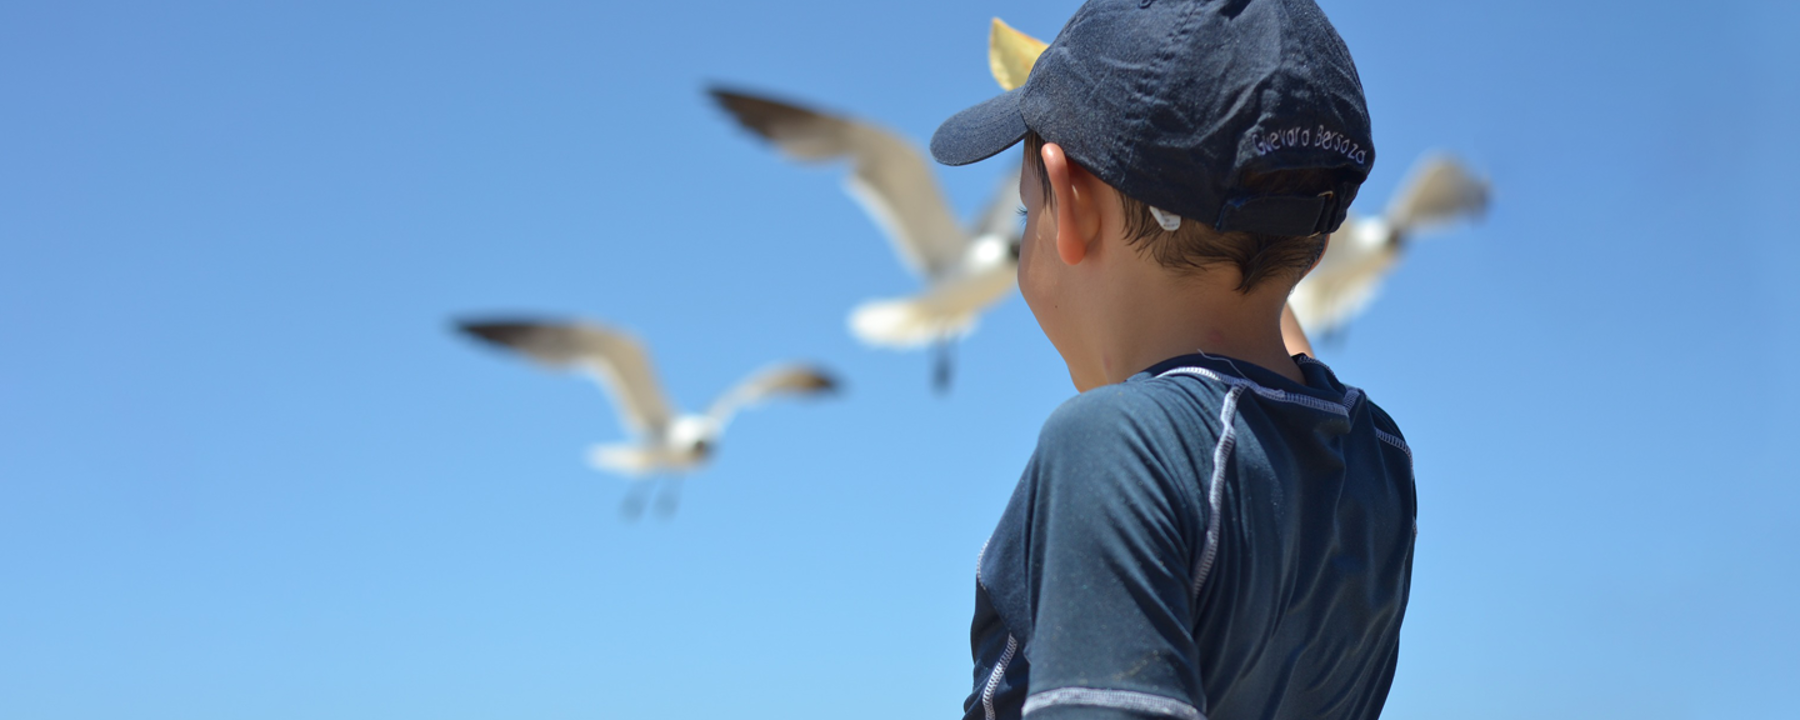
{"x":1196,"y":245}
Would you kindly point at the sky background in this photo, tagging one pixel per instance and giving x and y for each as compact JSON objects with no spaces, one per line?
{"x":247,"y":470}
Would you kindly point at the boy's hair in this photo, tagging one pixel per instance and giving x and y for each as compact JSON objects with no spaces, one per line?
{"x":1196,"y":245}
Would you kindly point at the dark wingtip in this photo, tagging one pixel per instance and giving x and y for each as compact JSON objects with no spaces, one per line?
{"x":504,"y":332}
{"x":815,"y":380}
{"x":724,"y":93}
{"x":738,"y":101}
{"x":720,"y":93}
{"x":824,"y":383}
{"x":1485,"y":191}
{"x":748,"y":111}
{"x":760,"y":113}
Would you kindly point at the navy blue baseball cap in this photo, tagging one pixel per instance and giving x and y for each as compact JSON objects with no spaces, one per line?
{"x":1175,"y":102}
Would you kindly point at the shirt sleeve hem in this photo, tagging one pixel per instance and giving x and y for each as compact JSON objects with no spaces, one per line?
{"x":1082,"y":702}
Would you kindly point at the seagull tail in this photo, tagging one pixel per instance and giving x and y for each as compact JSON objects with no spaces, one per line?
{"x":906,"y":323}
{"x":1438,"y":191}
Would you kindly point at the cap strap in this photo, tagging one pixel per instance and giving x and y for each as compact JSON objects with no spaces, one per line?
{"x":1169,"y":221}
{"x":1288,"y":215}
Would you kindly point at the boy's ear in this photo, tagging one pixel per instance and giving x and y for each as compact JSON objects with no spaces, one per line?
{"x":1077,"y":216}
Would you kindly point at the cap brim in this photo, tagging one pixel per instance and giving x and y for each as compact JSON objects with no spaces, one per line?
{"x":980,"y":132}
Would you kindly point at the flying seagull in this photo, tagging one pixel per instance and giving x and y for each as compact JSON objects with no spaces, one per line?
{"x":1438,"y":191}
{"x":667,"y":440}
{"x":964,"y":270}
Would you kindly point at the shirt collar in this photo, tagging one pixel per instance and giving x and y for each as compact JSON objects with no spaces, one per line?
{"x":1321,"y":383}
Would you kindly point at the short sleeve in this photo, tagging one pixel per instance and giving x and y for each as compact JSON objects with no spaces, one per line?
{"x":1109,"y":551}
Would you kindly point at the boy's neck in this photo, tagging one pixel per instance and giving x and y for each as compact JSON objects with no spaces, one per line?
{"x":1157,"y":314}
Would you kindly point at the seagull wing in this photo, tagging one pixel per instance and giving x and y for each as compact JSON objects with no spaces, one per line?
{"x":889,"y":176}
{"x":1001,"y":217}
{"x":615,"y":358}
{"x":1438,"y":190}
{"x":1344,"y":283}
{"x":778,"y":380}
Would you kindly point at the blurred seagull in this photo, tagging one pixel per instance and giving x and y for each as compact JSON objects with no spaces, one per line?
{"x":964,"y":271}
{"x":1438,"y":191}
{"x":667,"y":441}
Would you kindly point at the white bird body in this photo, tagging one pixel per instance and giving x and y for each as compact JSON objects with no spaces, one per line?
{"x":963,"y":271}
{"x":1362,"y":253}
{"x":665,"y":440}
{"x":950,"y":304}
{"x":684,"y":445}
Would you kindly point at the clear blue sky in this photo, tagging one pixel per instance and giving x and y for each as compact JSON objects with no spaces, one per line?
{"x":247,"y":471}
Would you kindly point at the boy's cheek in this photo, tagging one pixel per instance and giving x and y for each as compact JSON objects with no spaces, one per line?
{"x":1028,"y":257}
{"x":1035,"y":283}
{"x":1038,"y":286}
{"x":1026,"y":275}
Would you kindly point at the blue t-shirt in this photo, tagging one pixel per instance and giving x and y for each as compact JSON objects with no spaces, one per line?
{"x":1207,"y":539}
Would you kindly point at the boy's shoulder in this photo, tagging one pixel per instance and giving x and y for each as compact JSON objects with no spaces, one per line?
{"x":1147,"y":426}
{"x":1145,"y":404}
{"x":1186,"y":401}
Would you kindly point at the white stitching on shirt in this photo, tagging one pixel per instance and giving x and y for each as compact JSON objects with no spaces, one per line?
{"x":993,"y":683}
{"x":1395,"y":441}
{"x":1215,"y":493}
{"x":1268,"y":392}
{"x":981,"y":556}
{"x":1117,"y":699}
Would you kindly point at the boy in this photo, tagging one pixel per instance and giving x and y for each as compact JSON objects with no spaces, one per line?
{"x":1213,"y":528}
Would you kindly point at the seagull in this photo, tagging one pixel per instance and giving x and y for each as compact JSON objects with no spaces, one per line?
{"x":1438,"y":192}
{"x":964,"y":271}
{"x":667,"y":440}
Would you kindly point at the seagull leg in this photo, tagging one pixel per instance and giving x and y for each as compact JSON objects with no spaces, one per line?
{"x":940,"y":374}
{"x":670,"y":498}
{"x":632,"y":507}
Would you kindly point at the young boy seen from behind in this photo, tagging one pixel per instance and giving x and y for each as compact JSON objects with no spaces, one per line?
{"x":1213,"y":528}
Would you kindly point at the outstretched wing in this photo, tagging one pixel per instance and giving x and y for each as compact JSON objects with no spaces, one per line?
{"x":1439,"y":190}
{"x":615,"y":358}
{"x":770,"y":382}
{"x":1344,"y":282}
{"x":889,"y":176}
{"x":1001,"y":216}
